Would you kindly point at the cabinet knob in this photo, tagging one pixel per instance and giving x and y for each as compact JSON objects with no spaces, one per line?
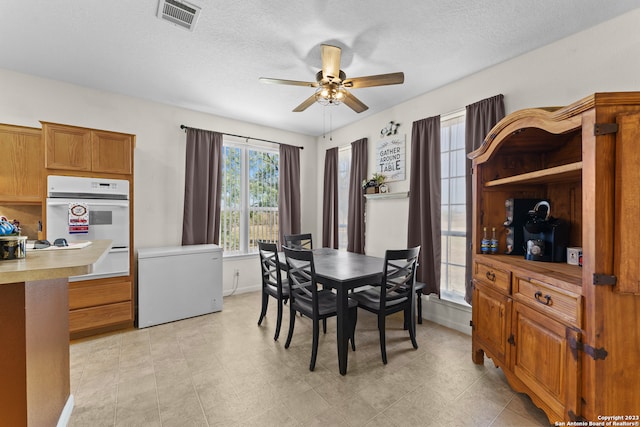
{"x":491,"y":276}
{"x":547,"y":298}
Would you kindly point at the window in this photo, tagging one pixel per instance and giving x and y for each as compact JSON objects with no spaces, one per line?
{"x":453,"y":208}
{"x":344,"y":171}
{"x":249,"y":201}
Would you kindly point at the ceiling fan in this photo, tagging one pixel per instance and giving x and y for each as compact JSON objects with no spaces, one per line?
{"x":332,"y":83}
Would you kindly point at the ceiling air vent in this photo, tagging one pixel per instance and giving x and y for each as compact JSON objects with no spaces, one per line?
{"x":181,"y":13}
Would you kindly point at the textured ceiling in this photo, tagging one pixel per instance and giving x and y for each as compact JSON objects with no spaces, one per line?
{"x":121,"y":46}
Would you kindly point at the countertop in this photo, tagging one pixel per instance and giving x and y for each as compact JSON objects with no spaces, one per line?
{"x":39,"y":264}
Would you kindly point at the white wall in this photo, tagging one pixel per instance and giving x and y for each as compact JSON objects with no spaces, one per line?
{"x":159,"y":158}
{"x":601,"y":59}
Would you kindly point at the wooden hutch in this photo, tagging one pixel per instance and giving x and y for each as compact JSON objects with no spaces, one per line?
{"x":568,"y":336}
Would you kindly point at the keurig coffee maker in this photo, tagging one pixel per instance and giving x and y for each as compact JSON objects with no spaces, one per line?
{"x":546,"y":237}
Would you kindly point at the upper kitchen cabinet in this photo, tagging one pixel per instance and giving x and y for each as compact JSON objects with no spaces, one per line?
{"x":21,"y":173}
{"x":87,"y":150}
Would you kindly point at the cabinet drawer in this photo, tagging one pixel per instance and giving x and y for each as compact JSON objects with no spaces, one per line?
{"x":494,"y":277}
{"x":95,"y":317}
{"x":87,"y":294}
{"x":564,"y":305}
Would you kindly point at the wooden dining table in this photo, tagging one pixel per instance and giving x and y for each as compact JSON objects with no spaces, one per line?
{"x":343,"y":271}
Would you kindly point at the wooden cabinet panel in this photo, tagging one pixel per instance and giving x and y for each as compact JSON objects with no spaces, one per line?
{"x":627,"y":250}
{"x":492,"y":276}
{"x":100,"y":316}
{"x":563,"y":305}
{"x":551,"y":371}
{"x":21,"y":174}
{"x":67,"y":147}
{"x":88,"y":150}
{"x":491,"y":323}
{"x":111,"y":152}
{"x":89,"y":294}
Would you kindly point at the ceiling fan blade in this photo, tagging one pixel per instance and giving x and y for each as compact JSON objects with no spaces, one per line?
{"x":330,"y":62}
{"x":305,"y":104}
{"x":377,"y":80}
{"x":287,"y":82}
{"x":354,"y":103}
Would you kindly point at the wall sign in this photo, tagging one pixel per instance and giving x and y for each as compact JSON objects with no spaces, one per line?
{"x":390,"y":157}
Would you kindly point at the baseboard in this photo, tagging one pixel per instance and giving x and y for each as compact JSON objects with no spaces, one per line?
{"x":447,"y":313}
{"x":65,"y":416}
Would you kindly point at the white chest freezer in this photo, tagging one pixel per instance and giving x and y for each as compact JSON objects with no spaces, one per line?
{"x":178,"y":282}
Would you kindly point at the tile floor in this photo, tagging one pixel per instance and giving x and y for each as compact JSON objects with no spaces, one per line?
{"x":223,"y":370}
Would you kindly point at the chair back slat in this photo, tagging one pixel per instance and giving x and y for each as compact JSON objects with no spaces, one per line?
{"x":301,"y":273}
{"x":399,"y":275}
{"x":299,"y":241}
{"x":269,"y":264}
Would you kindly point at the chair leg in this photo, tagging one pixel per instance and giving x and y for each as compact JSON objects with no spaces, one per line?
{"x":324,"y":326}
{"x":263,"y":312}
{"x":278,"y":321}
{"x":353,"y":319}
{"x":383,"y":344}
{"x":292,"y":322}
{"x":412,"y":325}
{"x":314,"y":346}
{"x":419,"y":307}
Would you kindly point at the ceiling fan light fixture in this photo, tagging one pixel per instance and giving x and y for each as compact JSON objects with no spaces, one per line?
{"x":330,"y":94}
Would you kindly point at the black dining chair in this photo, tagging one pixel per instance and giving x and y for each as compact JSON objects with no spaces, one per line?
{"x":302,"y":241}
{"x":307,"y":299}
{"x":273,"y":284}
{"x":299,"y":241}
{"x":393,"y":294}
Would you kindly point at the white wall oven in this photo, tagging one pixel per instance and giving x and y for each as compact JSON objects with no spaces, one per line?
{"x":86,"y":209}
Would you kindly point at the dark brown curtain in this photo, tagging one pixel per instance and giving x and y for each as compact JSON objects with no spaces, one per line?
{"x":288,"y":192}
{"x":330,"y":200}
{"x":358,"y":173}
{"x":424,"y":201}
{"x":202,"y":184}
{"x":480,"y":118}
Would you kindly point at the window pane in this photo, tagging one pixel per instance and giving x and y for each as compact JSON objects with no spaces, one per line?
{"x":458,"y":218}
{"x":457,"y":134}
{"x":457,"y":250}
{"x":458,"y":190}
{"x":344,"y":170}
{"x":249,"y":205}
{"x":458,"y":163}
{"x":453,"y":209}
{"x":444,"y":164}
{"x":263,"y":198}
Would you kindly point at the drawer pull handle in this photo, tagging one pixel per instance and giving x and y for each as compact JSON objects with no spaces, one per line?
{"x":547,"y":298}
{"x":491,"y":276}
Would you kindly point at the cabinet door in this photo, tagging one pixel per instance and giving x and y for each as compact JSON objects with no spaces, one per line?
{"x":491,"y":322}
{"x":67,"y":147}
{"x":543,"y":359}
{"x":626,"y":244}
{"x":21,"y":174}
{"x":111,"y":152}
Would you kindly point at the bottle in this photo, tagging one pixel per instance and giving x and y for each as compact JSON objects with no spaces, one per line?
{"x":485,"y":244}
{"x":494,"y":241}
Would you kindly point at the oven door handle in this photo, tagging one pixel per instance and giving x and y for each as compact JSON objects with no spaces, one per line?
{"x":114,"y":203}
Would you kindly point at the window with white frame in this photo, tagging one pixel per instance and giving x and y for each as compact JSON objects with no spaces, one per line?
{"x":249,"y":201}
{"x":344,"y":171}
{"x":453,"y":207}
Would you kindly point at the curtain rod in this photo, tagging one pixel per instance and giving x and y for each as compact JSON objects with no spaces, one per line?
{"x":241,"y":136}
